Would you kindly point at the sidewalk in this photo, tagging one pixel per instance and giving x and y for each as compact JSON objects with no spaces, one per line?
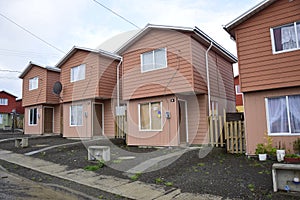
{"x":122,"y":187}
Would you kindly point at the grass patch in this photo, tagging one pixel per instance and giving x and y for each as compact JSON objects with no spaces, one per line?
{"x":168,"y":184}
{"x":118,"y":161}
{"x":201,"y":164}
{"x":95,"y":167}
{"x":136,"y":176}
{"x":251,"y":187}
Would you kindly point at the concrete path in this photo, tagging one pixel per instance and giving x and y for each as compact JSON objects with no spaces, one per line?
{"x":122,"y":187}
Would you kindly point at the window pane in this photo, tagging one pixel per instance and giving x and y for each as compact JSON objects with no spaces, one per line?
{"x":79,"y":115}
{"x":288,"y":37}
{"x":144,"y":117}
{"x":76,"y":115}
{"x":81,"y":72}
{"x":155,"y":116}
{"x":294,"y":106}
{"x":33,"y":116}
{"x":298,"y":33}
{"x":278,"y":119}
{"x":147,"y":61}
{"x":1,"y":119}
{"x":160,"y":58}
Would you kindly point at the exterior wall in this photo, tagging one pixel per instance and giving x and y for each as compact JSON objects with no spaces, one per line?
{"x":6,"y":120}
{"x":259,"y":68}
{"x":153,"y":83}
{"x":256,"y":121}
{"x":33,"y":129}
{"x":100,"y":77}
{"x":52,"y":77}
{"x":37,"y":96}
{"x":19,"y":108}
{"x":84,"y":131}
{"x":109,"y":119}
{"x":11,"y":103}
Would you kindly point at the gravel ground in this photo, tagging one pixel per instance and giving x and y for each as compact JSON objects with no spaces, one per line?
{"x":218,"y":173}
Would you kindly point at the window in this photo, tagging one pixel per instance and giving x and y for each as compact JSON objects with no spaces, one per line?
{"x":150,"y":116}
{"x":78,"y":73}
{"x":3,"y":101}
{"x":76,"y":115}
{"x":238,"y":89}
{"x":152,"y":60}
{"x":1,"y":118}
{"x":286,"y":38}
{"x":34,"y":83}
{"x":33,"y":116}
{"x":283,"y":115}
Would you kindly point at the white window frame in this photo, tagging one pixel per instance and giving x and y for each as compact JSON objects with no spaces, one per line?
{"x":236,"y":89}
{"x":81,"y":68}
{"x":153,"y":60}
{"x":29,"y":114}
{"x":70,"y":118}
{"x":150,"y":117}
{"x":3,"y":101}
{"x":1,"y":118}
{"x":34,"y":83}
{"x":273,"y":39}
{"x":288,"y":118}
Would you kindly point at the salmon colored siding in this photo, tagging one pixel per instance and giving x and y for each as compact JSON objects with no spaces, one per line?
{"x":259,"y":68}
{"x":52,"y":77}
{"x":33,"y":129}
{"x":256,"y":120}
{"x":109,"y":120}
{"x":37,"y":96}
{"x":154,"y":83}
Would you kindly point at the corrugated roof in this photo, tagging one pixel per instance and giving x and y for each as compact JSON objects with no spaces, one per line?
{"x":31,"y":64}
{"x":246,"y":15}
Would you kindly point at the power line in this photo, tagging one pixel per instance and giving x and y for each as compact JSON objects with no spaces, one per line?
{"x":34,"y":35}
{"x":115,"y":13}
{"x":7,"y":70}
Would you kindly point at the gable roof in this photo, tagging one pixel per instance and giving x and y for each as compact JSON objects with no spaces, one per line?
{"x":245,"y":16}
{"x":3,"y":91}
{"x":32,"y":64}
{"x":196,"y":31}
{"x":76,"y":48}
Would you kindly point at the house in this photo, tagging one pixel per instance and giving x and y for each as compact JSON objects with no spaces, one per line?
{"x":89,"y":92}
{"x":167,"y":88}
{"x":42,"y":106}
{"x":268,"y":44}
{"x":238,"y":95}
{"x":9,"y":106}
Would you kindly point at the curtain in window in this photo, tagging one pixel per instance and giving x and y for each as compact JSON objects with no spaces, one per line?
{"x":294,"y":106}
{"x":155,"y":116}
{"x":76,"y":115}
{"x":277,"y":39}
{"x":298,"y":33}
{"x":278,"y":119}
{"x":160,"y":58}
{"x":144,"y":117}
{"x":147,"y":61}
{"x":288,"y":37}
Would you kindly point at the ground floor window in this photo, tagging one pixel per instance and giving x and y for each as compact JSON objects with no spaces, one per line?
{"x":150,"y":116}
{"x":33,"y":116}
{"x":1,"y":118}
{"x":76,"y":115}
{"x":283,"y":114}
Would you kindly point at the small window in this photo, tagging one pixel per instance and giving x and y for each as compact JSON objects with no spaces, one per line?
{"x":3,"y":101}
{"x":33,"y":115}
{"x":238,"y":89}
{"x":1,"y":118}
{"x":150,"y":116}
{"x":34,"y":83}
{"x":152,"y":60}
{"x":286,"y":38}
{"x":283,"y":115}
{"x":76,"y":115}
{"x":78,"y":73}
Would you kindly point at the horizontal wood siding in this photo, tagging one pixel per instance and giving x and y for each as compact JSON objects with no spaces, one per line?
{"x":109,"y":119}
{"x":177,"y":77}
{"x":259,"y":68}
{"x":33,"y":129}
{"x":83,"y":89}
{"x":57,"y":119}
{"x":52,"y":77}
{"x":37,"y":96}
{"x":256,"y":120}
{"x":107,"y":77}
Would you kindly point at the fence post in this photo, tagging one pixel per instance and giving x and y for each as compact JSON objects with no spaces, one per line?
{"x":221,"y":131}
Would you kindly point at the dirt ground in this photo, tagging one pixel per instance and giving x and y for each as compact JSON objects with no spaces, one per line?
{"x":218,"y":173}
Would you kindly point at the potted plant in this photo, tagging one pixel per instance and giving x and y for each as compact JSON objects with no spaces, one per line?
{"x":280,"y":152}
{"x":261,"y":151}
{"x":292,"y":158}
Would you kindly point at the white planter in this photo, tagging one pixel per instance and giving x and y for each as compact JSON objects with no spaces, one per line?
{"x":280,"y":155}
{"x":262,"y":157}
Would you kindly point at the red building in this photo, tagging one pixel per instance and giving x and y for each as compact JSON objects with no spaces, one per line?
{"x":8,"y":106}
{"x":238,"y":94}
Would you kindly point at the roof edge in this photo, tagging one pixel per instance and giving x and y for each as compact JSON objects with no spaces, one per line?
{"x":30,"y":65}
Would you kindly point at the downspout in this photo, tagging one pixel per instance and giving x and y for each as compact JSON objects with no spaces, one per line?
{"x":207,"y":77}
{"x":118,"y":83}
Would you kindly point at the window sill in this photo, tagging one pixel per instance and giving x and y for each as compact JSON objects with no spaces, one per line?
{"x":159,"y":130}
{"x":284,"y":134}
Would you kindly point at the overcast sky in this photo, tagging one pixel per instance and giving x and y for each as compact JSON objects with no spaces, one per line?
{"x":65,"y":23}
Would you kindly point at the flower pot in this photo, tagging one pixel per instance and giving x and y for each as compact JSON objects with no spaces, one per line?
{"x":292,"y":160}
{"x":262,"y":157}
{"x":280,"y":155}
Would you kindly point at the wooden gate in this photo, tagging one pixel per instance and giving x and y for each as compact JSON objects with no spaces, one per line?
{"x":229,"y":131}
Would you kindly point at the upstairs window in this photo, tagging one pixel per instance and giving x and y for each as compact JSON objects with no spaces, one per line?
{"x":286,"y":38}
{"x":78,"y":73}
{"x":3,"y":101}
{"x":152,"y":60}
{"x":238,"y":89}
{"x":34,"y":83}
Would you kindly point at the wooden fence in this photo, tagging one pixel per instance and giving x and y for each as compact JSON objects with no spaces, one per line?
{"x":227,"y":133}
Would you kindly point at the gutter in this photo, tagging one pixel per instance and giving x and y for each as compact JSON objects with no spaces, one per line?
{"x":118,"y":82}
{"x":207,"y":77}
